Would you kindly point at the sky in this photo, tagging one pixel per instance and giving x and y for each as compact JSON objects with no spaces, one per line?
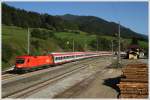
{"x":133,"y":15}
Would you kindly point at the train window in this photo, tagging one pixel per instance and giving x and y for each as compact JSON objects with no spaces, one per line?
{"x":19,"y":61}
{"x":59,"y":58}
{"x":67,"y":57}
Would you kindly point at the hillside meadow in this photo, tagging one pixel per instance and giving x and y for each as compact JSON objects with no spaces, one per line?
{"x":14,"y":43}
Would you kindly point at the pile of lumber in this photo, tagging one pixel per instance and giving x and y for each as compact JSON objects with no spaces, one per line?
{"x":135,"y":81}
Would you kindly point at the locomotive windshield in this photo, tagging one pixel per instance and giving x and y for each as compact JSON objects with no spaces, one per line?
{"x":19,"y":61}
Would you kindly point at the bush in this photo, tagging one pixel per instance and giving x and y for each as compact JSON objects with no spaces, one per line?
{"x":42,"y":34}
{"x":7,"y":52}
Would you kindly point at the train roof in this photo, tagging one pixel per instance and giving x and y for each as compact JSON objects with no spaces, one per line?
{"x":68,"y":53}
{"x":24,"y":56}
{"x":57,"y":54}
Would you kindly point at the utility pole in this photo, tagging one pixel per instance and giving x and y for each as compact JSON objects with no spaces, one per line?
{"x":28,"y":50}
{"x":85,"y":45}
{"x":97,"y":45}
{"x":73,"y":45}
{"x":112,"y":45}
{"x":119,"y":45}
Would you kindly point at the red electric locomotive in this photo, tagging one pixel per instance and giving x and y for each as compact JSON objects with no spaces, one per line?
{"x":26,"y":63}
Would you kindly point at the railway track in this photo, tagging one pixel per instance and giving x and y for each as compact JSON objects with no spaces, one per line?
{"x":10,"y":74}
{"x":29,"y":88}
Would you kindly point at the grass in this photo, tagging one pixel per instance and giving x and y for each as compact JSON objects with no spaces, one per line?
{"x":16,"y":39}
{"x":14,"y":36}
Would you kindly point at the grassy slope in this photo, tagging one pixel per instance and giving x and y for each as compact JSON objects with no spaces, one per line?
{"x":80,"y":39}
{"x":17,"y":38}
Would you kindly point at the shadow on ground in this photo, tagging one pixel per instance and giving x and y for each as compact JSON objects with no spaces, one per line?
{"x":112,"y":82}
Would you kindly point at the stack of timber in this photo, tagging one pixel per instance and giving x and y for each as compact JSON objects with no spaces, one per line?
{"x":135,"y":81}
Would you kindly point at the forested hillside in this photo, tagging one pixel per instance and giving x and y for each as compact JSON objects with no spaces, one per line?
{"x":89,"y":24}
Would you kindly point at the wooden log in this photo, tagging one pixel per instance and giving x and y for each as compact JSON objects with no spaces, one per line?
{"x":136,"y":76}
{"x":132,"y":96}
{"x":134,"y":89}
{"x":135,"y":81}
{"x":139,"y":92}
{"x":134,"y":69}
{"x":143,"y":80}
{"x":132,"y":84}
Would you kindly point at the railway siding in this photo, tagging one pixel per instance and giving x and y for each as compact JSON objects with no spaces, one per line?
{"x":135,"y":81}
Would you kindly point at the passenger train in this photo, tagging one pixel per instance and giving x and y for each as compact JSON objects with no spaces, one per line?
{"x":28,"y":63}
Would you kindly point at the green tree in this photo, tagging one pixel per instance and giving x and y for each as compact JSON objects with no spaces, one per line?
{"x":134,"y":41}
{"x":42,"y":34}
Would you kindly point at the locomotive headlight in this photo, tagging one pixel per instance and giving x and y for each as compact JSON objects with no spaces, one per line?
{"x":19,"y":66}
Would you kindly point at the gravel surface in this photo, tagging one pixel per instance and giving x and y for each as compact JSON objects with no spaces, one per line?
{"x":63,"y":84}
{"x":127,"y":61}
{"x":99,"y":88}
{"x":103,"y":85}
{"x":20,"y":82}
{"x":97,"y":80}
